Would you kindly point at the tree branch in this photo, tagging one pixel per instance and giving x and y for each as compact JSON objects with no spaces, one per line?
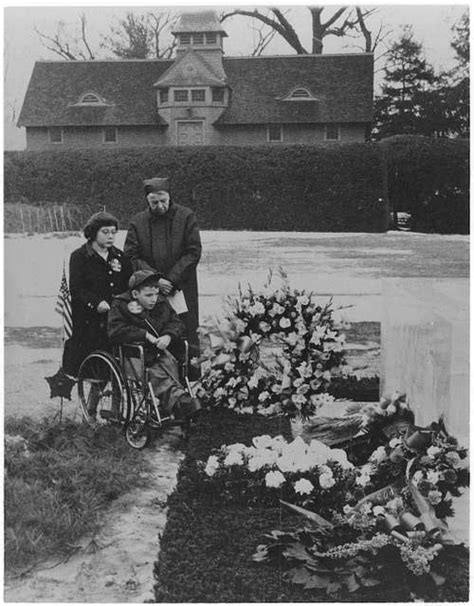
{"x":84,"y":37}
{"x":60,"y":48}
{"x":334,"y":18}
{"x":288,"y":35}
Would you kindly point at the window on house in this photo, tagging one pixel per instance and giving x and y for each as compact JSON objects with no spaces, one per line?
{"x":198,"y":95}
{"x":333,"y":132}
{"x":164,"y":96}
{"x":185,"y":39}
{"x":218,"y":95}
{"x":180,"y":96}
{"x":110,"y":134}
{"x":90,"y":98}
{"x":300,"y":93}
{"x":275,"y":133}
{"x":198,"y":38}
{"x":55,"y":134}
{"x":211,"y":38}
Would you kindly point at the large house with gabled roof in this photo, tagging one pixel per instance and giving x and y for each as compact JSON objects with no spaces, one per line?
{"x":200,"y":97}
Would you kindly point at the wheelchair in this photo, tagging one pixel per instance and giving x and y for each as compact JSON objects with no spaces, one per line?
{"x":119,"y":384}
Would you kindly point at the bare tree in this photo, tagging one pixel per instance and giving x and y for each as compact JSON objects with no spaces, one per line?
{"x":280,"y":24}
{"x":161,"y":26}
{"x":343,"y":21}
{"x":66,"y":46}
{"x":142,"y":36}
{"x":264,"y":36}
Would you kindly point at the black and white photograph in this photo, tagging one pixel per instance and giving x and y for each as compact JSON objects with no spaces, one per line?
{"x":236,"y":303}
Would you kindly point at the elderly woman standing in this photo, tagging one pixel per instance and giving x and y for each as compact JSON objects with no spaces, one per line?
{"x":165,"y":238}
{"x":97,"y":271}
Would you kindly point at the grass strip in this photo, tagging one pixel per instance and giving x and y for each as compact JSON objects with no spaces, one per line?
{"x":207,"y":545}
{"x":58,"y":478}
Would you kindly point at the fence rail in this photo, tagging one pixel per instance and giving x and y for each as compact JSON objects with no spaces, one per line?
{"x":43,"y":218}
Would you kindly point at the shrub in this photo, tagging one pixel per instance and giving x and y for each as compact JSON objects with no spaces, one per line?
{"x":303,"y":188}
{"x":429,"y":178}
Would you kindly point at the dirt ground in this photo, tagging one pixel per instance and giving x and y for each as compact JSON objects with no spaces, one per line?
{"x":116,"y":565}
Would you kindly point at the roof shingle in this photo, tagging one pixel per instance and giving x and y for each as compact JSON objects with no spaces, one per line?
{"x":342,"y":83}
{"x":126,"y":85}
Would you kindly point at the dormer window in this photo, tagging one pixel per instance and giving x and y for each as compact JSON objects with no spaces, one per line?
{"x":164,"y":96}
{"x":185,"y":39}
{"x":211,"y":38}
{"x":299,"y":94}
{"x":198,"y":38}
{"x":90,"y":99}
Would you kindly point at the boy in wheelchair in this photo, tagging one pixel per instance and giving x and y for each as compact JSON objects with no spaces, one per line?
{"x":142,"y":315}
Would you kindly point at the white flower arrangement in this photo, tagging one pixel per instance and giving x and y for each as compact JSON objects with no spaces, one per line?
{"x":295,"y":464}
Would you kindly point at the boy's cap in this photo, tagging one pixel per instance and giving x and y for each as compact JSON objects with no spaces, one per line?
{"x":140,"y":276}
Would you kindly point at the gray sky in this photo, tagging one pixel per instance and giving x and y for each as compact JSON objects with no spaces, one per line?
{"x":431,"y":25}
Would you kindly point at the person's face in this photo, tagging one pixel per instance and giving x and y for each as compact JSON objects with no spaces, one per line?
{"x":159,"y":202}
{"x":105,"y":237}
{"x":147,"y":296}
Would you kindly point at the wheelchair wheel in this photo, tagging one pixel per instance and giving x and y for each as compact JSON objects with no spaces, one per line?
{"x":136,"y":431}
{"x":102,"y":391}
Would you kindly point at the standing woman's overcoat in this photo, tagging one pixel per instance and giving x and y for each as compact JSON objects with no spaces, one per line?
{"x":171,"y":245}
{"x":92,"y":279}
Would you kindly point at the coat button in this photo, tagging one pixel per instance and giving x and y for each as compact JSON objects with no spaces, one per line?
{"x":111,"y":284}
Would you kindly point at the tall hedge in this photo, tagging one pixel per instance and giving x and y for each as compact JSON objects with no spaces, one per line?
{"x":301,"y":188}
{"x":429,"y":178}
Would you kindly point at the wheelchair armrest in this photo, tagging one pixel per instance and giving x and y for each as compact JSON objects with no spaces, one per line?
{"x":133,"y":350}
{"x":132,"y":360}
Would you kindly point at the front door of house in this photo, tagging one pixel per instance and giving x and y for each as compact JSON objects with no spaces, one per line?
{"x":190,"y":132}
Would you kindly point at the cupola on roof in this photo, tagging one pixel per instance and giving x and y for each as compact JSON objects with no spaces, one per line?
{"x":202,"y":21}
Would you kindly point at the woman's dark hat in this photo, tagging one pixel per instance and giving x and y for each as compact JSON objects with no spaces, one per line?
{"x":156,"y":184}
{"x":101,"y":219}
{"x":141,"y":276}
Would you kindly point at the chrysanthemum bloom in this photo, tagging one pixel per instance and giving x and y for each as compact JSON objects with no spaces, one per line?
{"x":303,"y":486}
{"x":274,"y":479}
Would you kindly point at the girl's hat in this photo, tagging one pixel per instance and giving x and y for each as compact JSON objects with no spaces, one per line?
{"x":98,"y":220}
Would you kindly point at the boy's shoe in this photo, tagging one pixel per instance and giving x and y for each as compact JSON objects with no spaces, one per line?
{"x":185,"y":408}
{"x":110,"y":415}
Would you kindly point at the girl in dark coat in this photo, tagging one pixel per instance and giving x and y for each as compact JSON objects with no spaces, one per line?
{"x":97,"y":272}
{"x":165,"y":238}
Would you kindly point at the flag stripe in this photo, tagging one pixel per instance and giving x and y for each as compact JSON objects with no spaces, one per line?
{"x":63,"y":305}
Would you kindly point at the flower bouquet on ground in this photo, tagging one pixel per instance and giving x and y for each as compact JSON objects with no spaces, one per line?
{"x":312,"y":475}
{"x":305,"y":335}
{"x":364,"y":426}
{"x":391,"y":517}
{"x":359,"y":522}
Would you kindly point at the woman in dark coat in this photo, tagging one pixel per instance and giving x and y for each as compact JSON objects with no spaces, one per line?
{"x":165,"y":238}
{"x":97,"y":272}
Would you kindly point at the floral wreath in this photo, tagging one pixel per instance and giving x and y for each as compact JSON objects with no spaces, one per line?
{"x":294,"y":381}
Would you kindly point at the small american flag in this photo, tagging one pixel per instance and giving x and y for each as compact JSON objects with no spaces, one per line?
{"x":63,"y":306}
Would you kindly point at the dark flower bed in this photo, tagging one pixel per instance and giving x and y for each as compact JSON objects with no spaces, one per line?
{"x":366,"y":389}
{"x":207,"y":547}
